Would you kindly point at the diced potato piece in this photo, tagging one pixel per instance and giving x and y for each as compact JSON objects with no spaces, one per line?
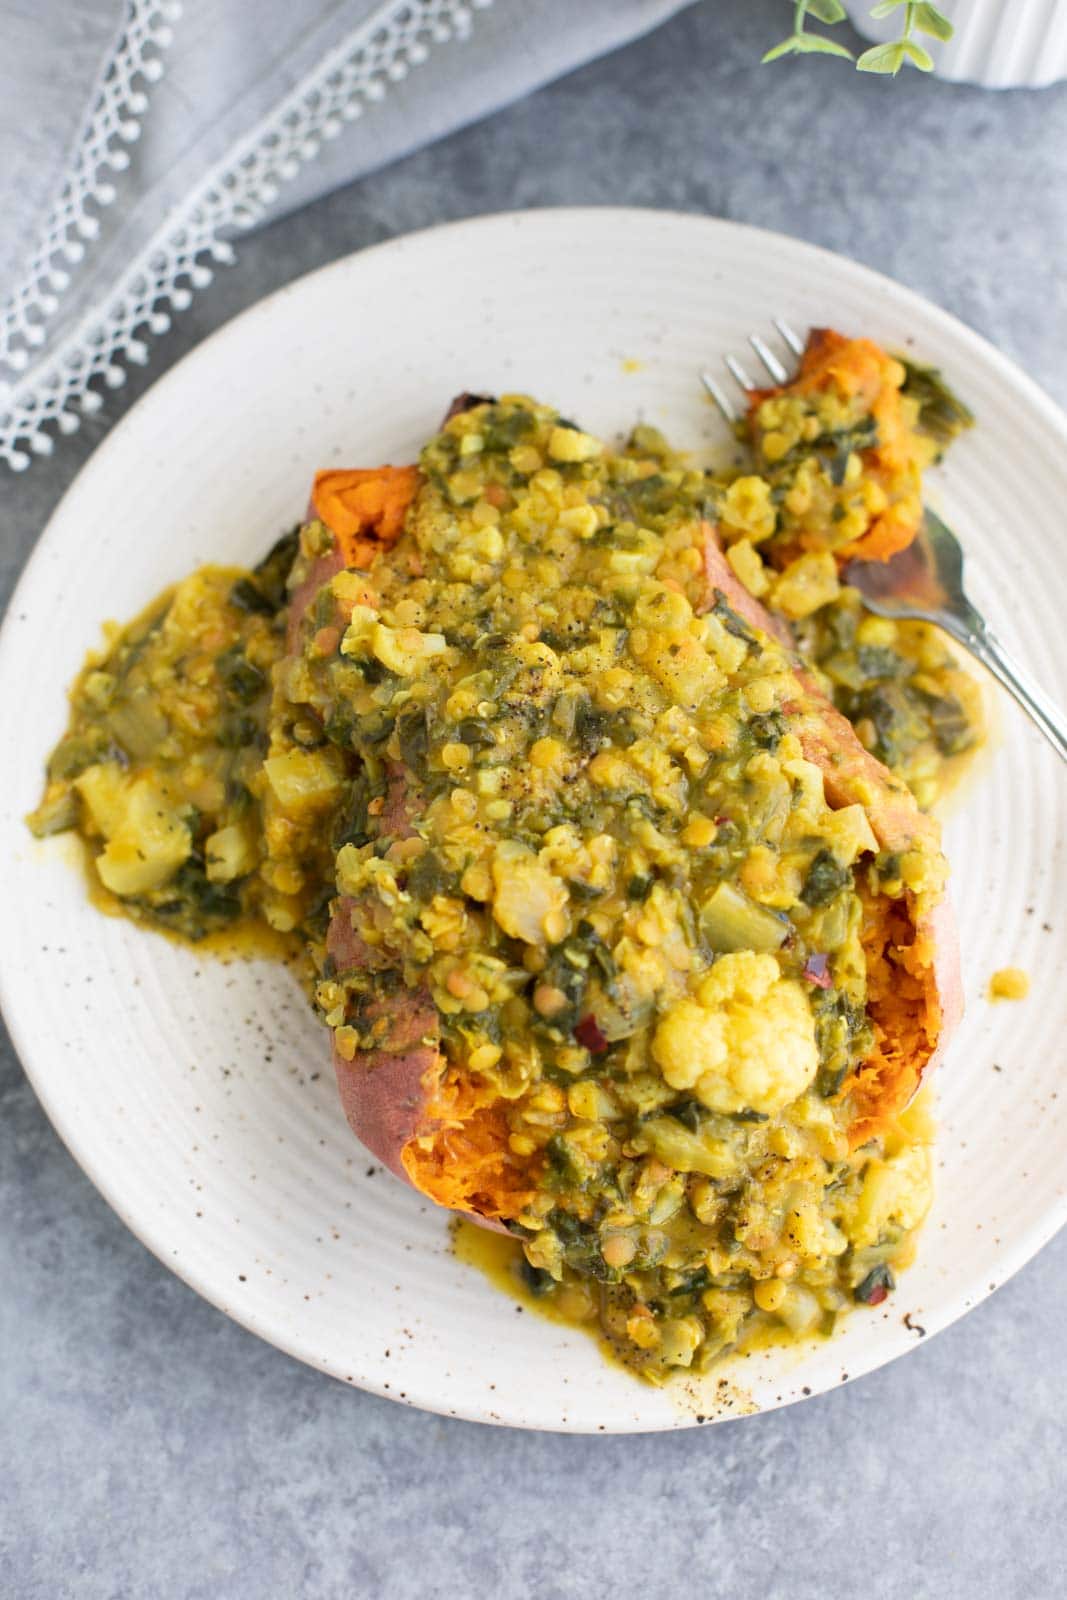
{"x":103,"y":789}
{"x":229,"y":853}
{"x":897,"y":1190}
{"x":878,"y":631}
{"x":591,"y":1102}
{"x":304,"y":780}
{"x":799,"y":1310}
{"x":579,"y":520}
{"x":149,"y":844}
{"x":657,"y":606}
{"x":641,"y":557}
{"x":679,"y":1339}
{"x":679,"y":663}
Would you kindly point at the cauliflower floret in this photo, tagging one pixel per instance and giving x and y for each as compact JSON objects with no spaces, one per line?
{"x":690,"y":1043}
{"x":405,"y":651}
{"x":747,"y":1041}
{"x":567,"y":856}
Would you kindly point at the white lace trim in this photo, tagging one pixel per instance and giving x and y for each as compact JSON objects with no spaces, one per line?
{"x":233,"y":195}
{"x":113,"y":120}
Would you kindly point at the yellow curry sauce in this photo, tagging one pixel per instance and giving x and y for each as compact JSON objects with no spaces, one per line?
{"x":618,"y":877}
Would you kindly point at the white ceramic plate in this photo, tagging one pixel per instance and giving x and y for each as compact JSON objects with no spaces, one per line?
{"x":199,"y":1097}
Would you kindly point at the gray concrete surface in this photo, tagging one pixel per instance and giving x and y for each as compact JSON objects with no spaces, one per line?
{"x":149,"y":1447}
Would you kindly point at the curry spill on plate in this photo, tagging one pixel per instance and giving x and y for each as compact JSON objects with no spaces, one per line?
{"x":598,"y":811}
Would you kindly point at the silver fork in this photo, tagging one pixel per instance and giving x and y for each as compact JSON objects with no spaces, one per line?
{"x":922,"y":583}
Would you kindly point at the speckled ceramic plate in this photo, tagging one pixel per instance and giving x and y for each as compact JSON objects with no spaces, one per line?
{"x":199,"y":1097}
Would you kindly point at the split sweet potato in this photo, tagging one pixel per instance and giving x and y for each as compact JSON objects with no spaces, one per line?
{"x":446,"y":1134}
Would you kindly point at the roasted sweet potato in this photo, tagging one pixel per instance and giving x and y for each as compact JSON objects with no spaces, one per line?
{"x":425,"y":1109}
{"x":626,"y":941}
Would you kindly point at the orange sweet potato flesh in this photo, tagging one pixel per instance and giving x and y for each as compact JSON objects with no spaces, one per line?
{"x":464,"y":1162}
{"x":904,"y":1005}
{"x":364,"y":508}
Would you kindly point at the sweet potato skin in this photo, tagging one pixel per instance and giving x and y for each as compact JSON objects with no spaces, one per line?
{"x":944,"y":934}
{"x":317,"y":576}
{"x":384,"y":1093}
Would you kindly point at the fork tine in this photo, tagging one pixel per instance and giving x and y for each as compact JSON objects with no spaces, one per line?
{"x":792,"y":339}
{"x":776,"y":369}
{"x":717,"y":394}
{"x":769,"y":359}
{"x":738,"y":373}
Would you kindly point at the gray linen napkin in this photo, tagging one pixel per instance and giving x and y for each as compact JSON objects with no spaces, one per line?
{"x":139,"y":137}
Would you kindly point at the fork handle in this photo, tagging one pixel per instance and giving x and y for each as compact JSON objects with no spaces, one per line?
{"x":1042,"y":710}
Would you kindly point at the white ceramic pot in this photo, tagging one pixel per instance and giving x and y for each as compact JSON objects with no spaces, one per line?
{"x":1000,"y":44}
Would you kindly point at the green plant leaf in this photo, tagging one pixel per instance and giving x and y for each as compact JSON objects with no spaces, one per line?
{"x":814,"y":44}
{"x":922,"y":58}
{"x":884,"y":58}
{"x":787,"y":47}
{"x":885,"y":7}
{"x":928,"y":19}
{"x":829,"y":11}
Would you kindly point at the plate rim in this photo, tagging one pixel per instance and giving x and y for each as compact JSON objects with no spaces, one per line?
{"x":1014,"y":1254}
